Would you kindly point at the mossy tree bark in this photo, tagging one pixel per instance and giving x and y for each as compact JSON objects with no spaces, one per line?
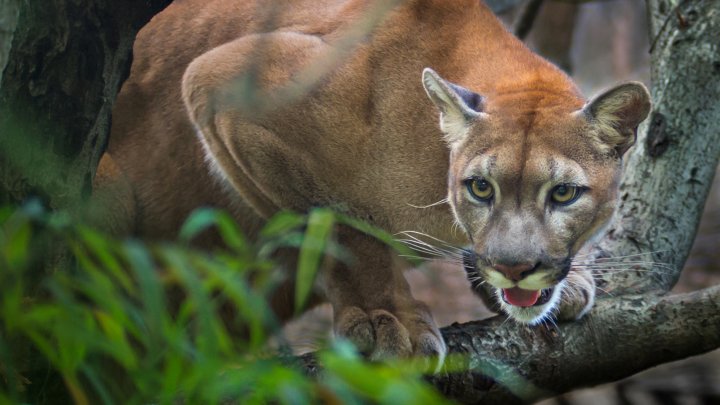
{"x":61,"y":65}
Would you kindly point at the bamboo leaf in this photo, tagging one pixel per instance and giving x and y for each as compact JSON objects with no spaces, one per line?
{"x":319,"y":230}
{"x":282,"y":223}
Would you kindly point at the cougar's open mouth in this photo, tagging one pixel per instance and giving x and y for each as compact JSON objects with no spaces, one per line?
{"x":526,"y":298}
{"x":524,"y":306}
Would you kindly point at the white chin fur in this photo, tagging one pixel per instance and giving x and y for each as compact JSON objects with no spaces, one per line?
{"x":535,"y":314}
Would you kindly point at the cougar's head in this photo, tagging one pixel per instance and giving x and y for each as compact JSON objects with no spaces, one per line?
{"x":532,"y":177}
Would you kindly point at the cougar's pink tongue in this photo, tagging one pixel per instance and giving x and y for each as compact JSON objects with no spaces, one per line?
{"x":521,"y":298}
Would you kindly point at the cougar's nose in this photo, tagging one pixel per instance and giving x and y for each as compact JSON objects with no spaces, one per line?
{"x":516,"y":272}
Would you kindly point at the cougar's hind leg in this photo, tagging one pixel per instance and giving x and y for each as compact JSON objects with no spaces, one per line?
{"x":112,"y":206}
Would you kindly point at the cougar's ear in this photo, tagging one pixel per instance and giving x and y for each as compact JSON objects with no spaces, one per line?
{"x":616,"y":114}
{"x":458,"y":106}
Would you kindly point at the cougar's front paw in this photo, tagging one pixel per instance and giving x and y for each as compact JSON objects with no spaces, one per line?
{"x":380,"y":334}
{"x":578,"y":296}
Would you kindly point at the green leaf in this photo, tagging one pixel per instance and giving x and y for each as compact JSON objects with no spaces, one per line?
{"x":209,"y":338}
{"x":115,"y":304}
{"x":97,"y":384}
{"x":16,"y":249}
{"x":231,"y":233}
{"x":198,"y":221}
{"x":319,"y":229}
{"x":151,"y":290}
{"x":378,"y":234}
{"x":282,"y":223}
{"x":104,"y":251}
{"x":204,"y":218}
{"x":116,"y":339}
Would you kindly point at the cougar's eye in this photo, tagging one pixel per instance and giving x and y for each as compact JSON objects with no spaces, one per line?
{"x":480,"y":188}
{"x":565,"y":194}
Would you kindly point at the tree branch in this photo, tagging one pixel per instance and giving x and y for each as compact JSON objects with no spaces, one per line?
{"x":623,"y":336}
{"x":505,"y":362}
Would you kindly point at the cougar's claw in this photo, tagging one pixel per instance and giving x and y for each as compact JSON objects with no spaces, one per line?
{"x":380,"y":334}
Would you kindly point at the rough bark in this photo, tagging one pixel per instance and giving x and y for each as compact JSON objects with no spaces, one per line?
{"x":623,"y":336}
{"x":9,"y":13}
{"x":509,"y":363}
{"x":671,"y":169}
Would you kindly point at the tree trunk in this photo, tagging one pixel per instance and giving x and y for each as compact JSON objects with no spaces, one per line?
{"x":62,"y":63}
{"x":670,"y":172}
{"x":9,"y":13}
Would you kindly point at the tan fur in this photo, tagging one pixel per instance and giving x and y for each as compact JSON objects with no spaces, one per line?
{"x":360,"y":136}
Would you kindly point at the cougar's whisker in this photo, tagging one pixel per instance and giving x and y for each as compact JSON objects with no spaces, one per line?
{"x":605,"y":291}
{"x":449,"y":245}
{"x":612,"y":265}
{"x":435,"y":259}
{"x":551,"y":319}
{"x":430,"y":249}
{"x":455,"y":227}
{"x":441,"y":202}
{"x":507,"y":318}
{"x":429,"y":252}
{"x":600,"y":274}
{"x":417,"y":242}
{"x":477,"y":279}
{"x":618,"y":269}
{"x":630,"y":262}
{"x":625,"y":256}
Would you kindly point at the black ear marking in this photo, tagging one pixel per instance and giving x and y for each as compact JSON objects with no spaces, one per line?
{"x":471,"y":99}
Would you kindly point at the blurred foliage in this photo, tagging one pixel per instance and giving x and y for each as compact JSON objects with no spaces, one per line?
{"x":132,"y":323}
